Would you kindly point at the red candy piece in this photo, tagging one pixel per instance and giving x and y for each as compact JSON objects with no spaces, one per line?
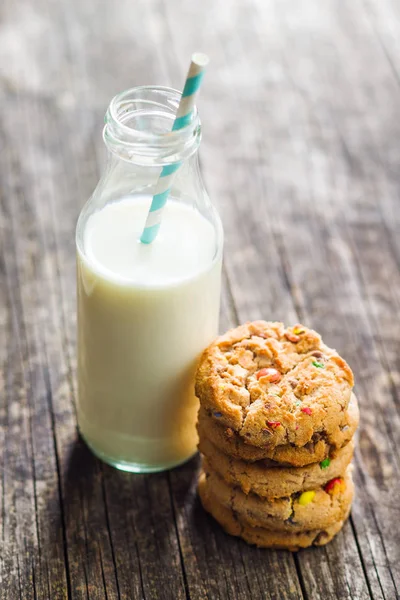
{"x":273,"y":424}
{"x":307,"y":410}
{"x":272,"y":375}
{"x":335,"y":486}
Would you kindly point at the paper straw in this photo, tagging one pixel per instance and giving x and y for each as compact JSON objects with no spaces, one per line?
{"x":182,"y":118}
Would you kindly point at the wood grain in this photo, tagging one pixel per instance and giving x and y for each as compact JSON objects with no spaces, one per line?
{"x":301,"y":124}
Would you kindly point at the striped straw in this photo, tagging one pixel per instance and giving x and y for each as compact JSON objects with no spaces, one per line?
{"x":183,"y":117}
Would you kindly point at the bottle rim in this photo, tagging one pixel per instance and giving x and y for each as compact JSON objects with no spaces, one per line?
{"x":126,"y":135}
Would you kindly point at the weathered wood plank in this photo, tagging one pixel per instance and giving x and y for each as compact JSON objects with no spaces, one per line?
{"x":17,"y":488}
{"x":30,"y":464}
{"x":351,"y":228}
{"x":306,"y":179}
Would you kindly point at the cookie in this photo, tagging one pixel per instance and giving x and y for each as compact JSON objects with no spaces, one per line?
{"x":274,"y":386}
{"x":316,"y":509}
{"x":263,"y":538}
{"x":274,"y":482}
{"x":321,"y":446}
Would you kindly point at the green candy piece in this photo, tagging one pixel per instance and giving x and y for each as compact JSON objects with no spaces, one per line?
{"x":318,"y":364}
{"x":324,"y":464}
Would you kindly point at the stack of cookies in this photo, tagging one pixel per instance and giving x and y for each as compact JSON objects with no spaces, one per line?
{"x":276,"y":422}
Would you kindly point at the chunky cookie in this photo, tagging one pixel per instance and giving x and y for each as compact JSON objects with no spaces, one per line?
{"x":263,"y":538}
{"x":271,"y":482}
{"x":321,"y":446}
{"x":274,"y":386}
{"x":311,"y":509}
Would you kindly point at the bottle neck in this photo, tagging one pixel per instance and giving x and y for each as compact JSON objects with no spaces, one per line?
{"x":138,"y":128}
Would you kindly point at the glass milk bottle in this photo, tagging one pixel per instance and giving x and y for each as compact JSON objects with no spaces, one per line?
{"x":145,"y":311}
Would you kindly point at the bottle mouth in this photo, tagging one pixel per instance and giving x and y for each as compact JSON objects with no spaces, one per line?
{"x":138,"y":127}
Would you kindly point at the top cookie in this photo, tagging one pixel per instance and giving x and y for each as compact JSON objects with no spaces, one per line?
{"x":273,"y":385}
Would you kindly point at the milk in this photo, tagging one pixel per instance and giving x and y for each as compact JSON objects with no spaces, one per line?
{"x":145,"y":313}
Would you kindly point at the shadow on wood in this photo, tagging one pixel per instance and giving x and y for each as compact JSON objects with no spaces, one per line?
{"x":120,"y":530}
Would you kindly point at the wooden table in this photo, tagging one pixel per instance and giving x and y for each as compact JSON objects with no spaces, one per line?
{"x":301,"y":153}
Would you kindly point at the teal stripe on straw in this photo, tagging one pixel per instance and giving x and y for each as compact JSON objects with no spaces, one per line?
{"x":182,"y":121}
{"x":159,"y":200}
{"x":169,"y":169}
{"x":192,"y":85}
{"x":150,"y":234}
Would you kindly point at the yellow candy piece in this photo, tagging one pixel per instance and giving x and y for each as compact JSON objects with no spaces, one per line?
{"x":298,"y":330}
{"x":306,"y":498}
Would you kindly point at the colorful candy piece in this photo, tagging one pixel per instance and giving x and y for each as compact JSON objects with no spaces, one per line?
{"x":292,"y":337}
{"x":335,"y":486}
{"x":306,"y":498}
{"x":307,"y":410}
{"x":318,"y":364}
{"x":317,"y":354}
{"x":273,"y":424}
{"x":217,"y":414}
{"x":272,"y":375}
{"x":324,"y":464}
{"x":298,"y":329}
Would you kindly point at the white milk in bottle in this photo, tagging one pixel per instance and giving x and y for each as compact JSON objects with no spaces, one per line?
{"x":145,"y":311}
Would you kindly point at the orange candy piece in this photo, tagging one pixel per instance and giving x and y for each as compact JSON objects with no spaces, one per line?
{"x":292,"y":337}
{"x":335,"y":486}
{"x":272,"y":375}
